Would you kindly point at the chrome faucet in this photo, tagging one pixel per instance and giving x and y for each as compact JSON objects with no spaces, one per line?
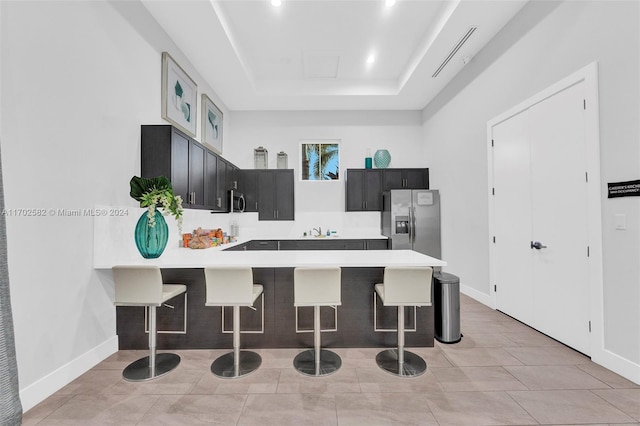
{"x":318,"y":230}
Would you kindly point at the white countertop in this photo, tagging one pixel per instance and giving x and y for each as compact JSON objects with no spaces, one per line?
{"x":188,"y":258}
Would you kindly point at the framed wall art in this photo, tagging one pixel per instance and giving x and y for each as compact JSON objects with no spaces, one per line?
{"x":179,"y":96}
{"x":211,"y":124}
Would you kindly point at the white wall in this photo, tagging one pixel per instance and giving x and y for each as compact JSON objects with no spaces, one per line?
{"x":322,"y":203}
{"x":546,"y":42}
{"x":77,"y":82}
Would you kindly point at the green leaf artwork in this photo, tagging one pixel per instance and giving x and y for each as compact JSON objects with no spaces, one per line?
{"x":179,"y":90}
{"x":186,"y":111}
{"x":212,"y":118}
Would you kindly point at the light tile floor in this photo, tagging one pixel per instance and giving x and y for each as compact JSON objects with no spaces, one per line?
{"x":501,"y":373}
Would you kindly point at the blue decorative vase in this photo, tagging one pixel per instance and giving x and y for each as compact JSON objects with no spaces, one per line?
{"x":151,"y":240}
{"x":382,"y":158}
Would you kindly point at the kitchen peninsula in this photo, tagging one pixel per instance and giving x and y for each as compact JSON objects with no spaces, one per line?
{"x":188,"y":324}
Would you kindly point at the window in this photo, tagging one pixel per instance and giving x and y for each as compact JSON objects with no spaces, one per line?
{"x":320,"y":160}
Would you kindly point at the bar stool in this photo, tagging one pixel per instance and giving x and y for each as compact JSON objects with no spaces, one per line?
{"x":142,"y":286}
{"x":404,"y":286}
{"x":233,"y":286}
{"x":316,"y":287}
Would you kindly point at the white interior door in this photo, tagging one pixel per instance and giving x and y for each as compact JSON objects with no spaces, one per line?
{"x":559,"y":206}
{"x":512,"y":214}
{"x":539,"y":164}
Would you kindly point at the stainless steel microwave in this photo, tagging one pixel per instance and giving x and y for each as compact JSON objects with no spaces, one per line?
{"x":236,"y":201}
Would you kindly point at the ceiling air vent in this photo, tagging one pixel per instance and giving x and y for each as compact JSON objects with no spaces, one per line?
{"x":455,"y":49}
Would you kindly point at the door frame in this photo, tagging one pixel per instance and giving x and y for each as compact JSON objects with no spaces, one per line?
{"x":588,"y":75}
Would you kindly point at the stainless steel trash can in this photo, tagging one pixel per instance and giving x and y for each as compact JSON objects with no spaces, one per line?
{"x":446,"y":304}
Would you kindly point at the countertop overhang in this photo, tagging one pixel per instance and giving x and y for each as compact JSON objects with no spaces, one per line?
{"x":188,"y":258}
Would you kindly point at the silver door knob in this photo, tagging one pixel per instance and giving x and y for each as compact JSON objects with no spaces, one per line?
{"x":537,"y":245}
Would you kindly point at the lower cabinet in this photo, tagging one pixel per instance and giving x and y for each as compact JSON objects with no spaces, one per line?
{"x":329,"y":244}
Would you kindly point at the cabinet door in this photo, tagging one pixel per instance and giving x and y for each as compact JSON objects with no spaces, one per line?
{"x":355,"y":244}
{"x":232,"y":176}
{"x":179,"y":166}
{"x":222,"y":185}
{"x":392,"y":179}
{"x":211,"y":180}
{"x":377,"y":244}
{"x":248,"y":185}
{"x":373,"y":190}
{"x":266,"y":197}
{"x":196,"y":174}
{"x":416,"y":178}
{"x":262,"y":245}
{"x":354,"y":200}
{"x":284,"y":195}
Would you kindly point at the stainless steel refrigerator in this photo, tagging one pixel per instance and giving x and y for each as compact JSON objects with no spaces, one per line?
{"x":411,"y":219}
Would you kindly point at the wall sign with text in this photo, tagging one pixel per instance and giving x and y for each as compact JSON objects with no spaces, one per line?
{"x":624,"y":189}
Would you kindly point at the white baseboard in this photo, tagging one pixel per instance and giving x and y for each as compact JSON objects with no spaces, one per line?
{"x":56,"y":380}
{"x":485,"y":299}
{"x":617,"y":364}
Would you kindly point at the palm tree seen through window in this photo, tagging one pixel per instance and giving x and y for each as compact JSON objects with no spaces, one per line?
{"x":320,"y":161}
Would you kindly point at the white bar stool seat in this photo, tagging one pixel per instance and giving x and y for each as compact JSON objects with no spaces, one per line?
{"x":404,"y":286}
{"x":317,"y":287}
{"x":142,"y":286}
{"x":233,"y":286}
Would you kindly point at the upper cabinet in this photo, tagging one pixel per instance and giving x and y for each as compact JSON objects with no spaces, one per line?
{"x":269,"y":192}
{"x":248,"y":185}
{"x":364,"y":186}
{"x":405,"y":179}
{"x":198,"y":175}
{"x":276,"y":194}
{"x":364,"y":190}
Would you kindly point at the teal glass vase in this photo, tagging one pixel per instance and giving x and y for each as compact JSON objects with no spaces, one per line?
{"x":382,"y":158}
{"x":151,"y":240}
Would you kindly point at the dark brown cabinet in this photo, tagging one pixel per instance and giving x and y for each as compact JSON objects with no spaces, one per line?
{"x":333,"y":244}
{"x":405,"y":179}
{"x":201,"y":177}
{"x":363,"y":190}
{"x":211,"y":180}
{"x":364,"y":186}
{"x":276,"y":194}
{"x":248,"y":185}
{"x":166,"y":151}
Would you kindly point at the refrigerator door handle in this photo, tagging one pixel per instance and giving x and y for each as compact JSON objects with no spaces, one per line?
{"x":413,"y":225}
{"x":410,"y":225}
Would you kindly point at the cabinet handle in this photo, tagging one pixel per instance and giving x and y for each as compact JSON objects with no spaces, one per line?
{"x":274,"y":214}
{"x":219,"y":202}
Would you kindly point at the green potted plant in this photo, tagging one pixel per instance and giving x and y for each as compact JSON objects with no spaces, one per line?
{"x":156,"y":194}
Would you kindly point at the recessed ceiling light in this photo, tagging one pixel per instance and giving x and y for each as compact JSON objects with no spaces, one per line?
{"x":371,"y":59}
{"x":389,"y":3}
{"x":276,"y":3}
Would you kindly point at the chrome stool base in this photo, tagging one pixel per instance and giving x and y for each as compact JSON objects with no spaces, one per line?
{"x":140,"y":370}
{"x":413,"y":364}
{"x":225,"y":368}
{"x":305,"y":363}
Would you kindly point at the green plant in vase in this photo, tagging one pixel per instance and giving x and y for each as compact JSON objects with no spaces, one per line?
{"x":156,"y":194}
